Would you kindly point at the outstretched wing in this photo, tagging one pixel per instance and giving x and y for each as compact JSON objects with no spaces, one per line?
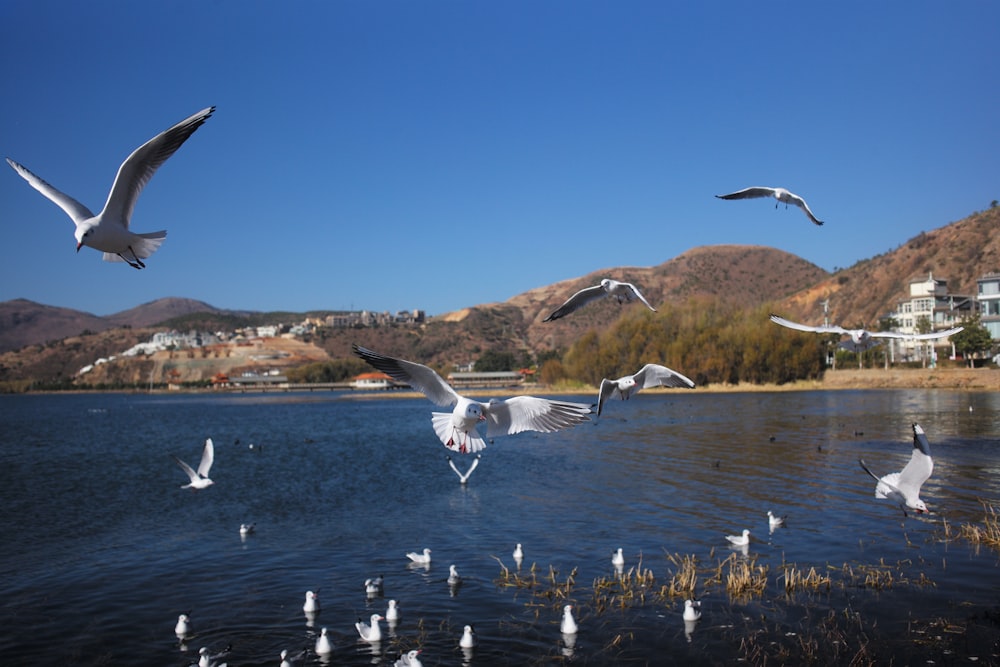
{"x":636,"y":293}
{"x":74,"y":209}
{"x":188,"y":470}
{"x":801,"y":203}
{"x":578,"y":300}
{"x":609,"y":389}
{"x":655,"y":375}
{"x":749,"y":193}
{"x":416,"y":375}
{"x":207,"y":458}
{"x":921,"y":465}
{"x":529,"y":413}
{"x":139,"y":167}
{"x":805,"y":327}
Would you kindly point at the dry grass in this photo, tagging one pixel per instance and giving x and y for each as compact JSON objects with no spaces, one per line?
{"x":797,"y":580}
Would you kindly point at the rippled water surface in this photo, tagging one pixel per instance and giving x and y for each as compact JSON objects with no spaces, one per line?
{"x":103,"y":549}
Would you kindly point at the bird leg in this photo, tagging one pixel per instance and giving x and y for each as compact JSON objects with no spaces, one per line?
{"x":137,"y":264}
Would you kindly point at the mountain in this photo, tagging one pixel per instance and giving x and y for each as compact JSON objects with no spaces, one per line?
{"x":24,"y":322}
{"x":959,"y":252}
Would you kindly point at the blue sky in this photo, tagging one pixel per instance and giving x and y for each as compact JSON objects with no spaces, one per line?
{"x":438,"y":155}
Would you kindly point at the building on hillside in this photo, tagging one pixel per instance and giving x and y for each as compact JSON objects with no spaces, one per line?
{"x":989,"y":303}
{"x":493,"y":379}
{"x":930,"y":307}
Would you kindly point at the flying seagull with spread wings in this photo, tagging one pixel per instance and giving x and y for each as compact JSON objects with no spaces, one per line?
{"x":781,"y":194}
{"x":108,"y":231}
{"x":862,"y":339}
{"x":650,"y":375}
{"x":458,"y":429}
{"x":904,"y":487}
{"x":624,"y":292}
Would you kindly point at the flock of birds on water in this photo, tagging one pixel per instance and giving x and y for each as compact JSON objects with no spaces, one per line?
{"x":461,"y":429}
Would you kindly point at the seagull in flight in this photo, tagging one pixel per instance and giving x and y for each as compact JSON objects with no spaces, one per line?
{"x":108,"y":231}
{"x":463,"y":478}
{"x":624,"y":292}
{"x":199,"y":478}
{"x":904,"y":487}
{"x":862,"y":339}
{"x":650,"y":375}
{"x":781,"y":194}
{"x":458,"y":430}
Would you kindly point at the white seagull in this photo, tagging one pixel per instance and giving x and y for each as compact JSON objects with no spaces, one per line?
{"x":774,"y":521}
{"x":454,"y":578}
{"x":468,"y":639}
{"x":420,"y":558}
{"x":624,"y":292}
{"x":463,"y":478}
{"x":458,"y":429}
{"x":392,"y":612}
{"x":650,"y":375}
{"x":311,"y":605}
{"x":518,"y":553}
{"x":739,"y":540}
{"x":781,"y":194}
{"x":323,"y":645}
{"x":692,"y":610}
{"x":862,"y":339}
{"x":904,"y":487}
{"x":410,"y":659}
{"x":183,"y":627}
{"x":199,"y":478}
{"x":618,"y":559}
{"x":108,"y":231}
{"x":568,"y":624}
{"x":373,"y":587}
{"x":247,"y":529}
{"x":206,"y":659}
{"x":370,"y":633}
{"x":288,"y":660}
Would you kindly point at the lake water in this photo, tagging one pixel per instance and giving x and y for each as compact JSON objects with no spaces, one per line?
{"x":103,"y":550}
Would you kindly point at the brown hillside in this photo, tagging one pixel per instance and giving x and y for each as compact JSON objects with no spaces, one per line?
{"x":24,"y":322}
{"x":160,"y":310}
{"x":959,"y":253}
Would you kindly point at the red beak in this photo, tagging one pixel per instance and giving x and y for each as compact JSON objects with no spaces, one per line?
{"x":79,"y":245}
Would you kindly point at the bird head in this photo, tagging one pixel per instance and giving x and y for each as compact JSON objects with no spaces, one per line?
{"x":82,"y":233}
{"x":919,"y":506}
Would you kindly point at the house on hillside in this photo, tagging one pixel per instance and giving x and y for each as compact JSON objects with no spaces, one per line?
{"x":989,"y":303}
{"x":930,"y":307}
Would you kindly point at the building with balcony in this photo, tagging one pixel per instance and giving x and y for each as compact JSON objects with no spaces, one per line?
{"x":988,"y":288}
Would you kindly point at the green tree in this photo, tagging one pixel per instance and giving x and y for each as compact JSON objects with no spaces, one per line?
{"x":491,"y":361}
{"x":973,"y":340}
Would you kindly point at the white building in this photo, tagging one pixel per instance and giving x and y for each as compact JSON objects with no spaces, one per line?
{"x":930,"y":301}
{"x":989,"y":303}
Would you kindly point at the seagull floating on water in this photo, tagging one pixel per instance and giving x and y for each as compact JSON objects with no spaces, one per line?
{"x":862,"y":339}
{"x":183,"y":627}
{"x":650,"y":375}
{"x":568,"y":624}
{"x":108,"y":231}
{"x":463,"y":478}
{"x":409,"y":659}
{"x":781,"y":194}
{"x":624,"y":292}
{"x":311,"y":605}
{"x":468,"y":639}
{"x":904,"y":487}
{"x":199,"y":478}
{"x":323,"y":645}
{"x":288,"y":660}
{"x":206,"y":659}
{"x":373,"y":587}
{"x":739,"y":540}
{"x":692,"y":610}
{"x":420,"y":558}
{"x":618,"y":558}
{"x":247,"y":529}
{"x":458,"y":429}
{"x":454,"y":578}
{"x":370,"y":633}
{"x":518,"y":553}
{"x":775,"y":521}
{"x":392,"y":612}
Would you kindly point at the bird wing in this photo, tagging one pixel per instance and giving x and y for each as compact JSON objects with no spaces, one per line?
{"x":578,"y":300}
{"x":416,"y":375}
{"x":635,"y":291}
{"x":801,"y":203}
{"x":609,"y":389}
{"x":529,"y":413}
{"x":920,"y":465}
{"x":804,"y":327}
{"x":655,"y":375}
{"x":207,"y":458}
{"x":188,"y":470}
{"x":74,"y":209}
{"x":749,"y":193}
{"x":937,"y":334}
{"x":139,"y":167}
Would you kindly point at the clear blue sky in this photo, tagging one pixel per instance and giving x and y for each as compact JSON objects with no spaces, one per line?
{"x":437,"y":155}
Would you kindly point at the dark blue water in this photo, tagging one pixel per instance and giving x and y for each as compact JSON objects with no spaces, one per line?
{"x":102,"y":549}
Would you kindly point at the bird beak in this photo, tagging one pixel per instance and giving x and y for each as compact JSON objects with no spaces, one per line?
{"x":79,"y":245}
